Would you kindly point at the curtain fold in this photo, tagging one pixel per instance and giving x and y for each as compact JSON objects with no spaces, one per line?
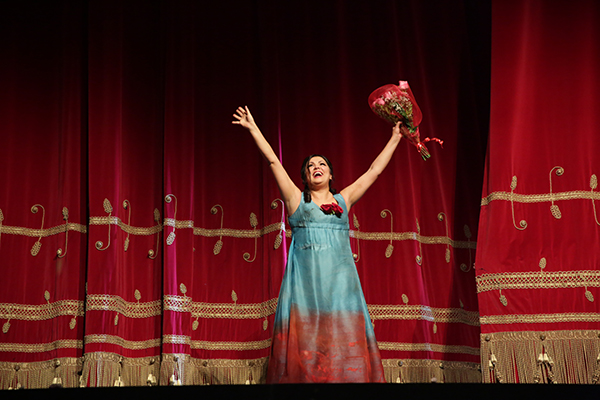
{"x":116,"y":118}
{"x":125,"y":97}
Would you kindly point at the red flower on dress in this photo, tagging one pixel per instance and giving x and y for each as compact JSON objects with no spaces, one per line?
{"x":332,"y":208}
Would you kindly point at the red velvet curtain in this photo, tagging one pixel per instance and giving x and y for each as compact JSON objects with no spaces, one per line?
{"x":118,"y":150}
{"x":43,"y":217}
{"x":537,"y":259}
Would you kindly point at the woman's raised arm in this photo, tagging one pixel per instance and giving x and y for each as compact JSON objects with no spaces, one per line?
{"x":356,"y":190}
{"x":289,"y":191}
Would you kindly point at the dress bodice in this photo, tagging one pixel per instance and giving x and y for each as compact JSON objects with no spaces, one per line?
{"x":309,"y":215}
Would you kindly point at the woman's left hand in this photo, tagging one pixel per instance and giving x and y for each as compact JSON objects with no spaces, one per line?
{"x":399,"y":130}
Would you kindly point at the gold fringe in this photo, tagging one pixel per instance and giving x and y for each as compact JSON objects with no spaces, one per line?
{"x":39,"y":375}
{"x":425,"y":371}
{"x":541,"y":357}
{"x":193,"y":371}
{"x":103,"y":369}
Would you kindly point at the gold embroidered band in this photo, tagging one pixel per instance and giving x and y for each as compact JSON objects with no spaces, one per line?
{"x":41,"y":347}
{"x":275,"y":227}
{"x":540,"y":198}
{"x":55,"y":230}
{"x":421,"y":312}
{"x":437,"y":348}
{"x":416,"y":363}
{"x":106,"y":302}
{"x":539,"y":318}
{"x":125,"y":227}
{"x":220,"y":310}
{"x":41,"y":312}
{"x":119,"y":341}
{"x":213,"y":345}
{"x":399,"y":236}
{"x":537,"y":280}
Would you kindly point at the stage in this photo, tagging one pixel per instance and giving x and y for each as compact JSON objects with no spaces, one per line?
{"x":324,"y":391}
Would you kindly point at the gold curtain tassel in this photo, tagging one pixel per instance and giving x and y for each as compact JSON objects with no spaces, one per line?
{"x":56,"y":382}
{"x":151,"y":381}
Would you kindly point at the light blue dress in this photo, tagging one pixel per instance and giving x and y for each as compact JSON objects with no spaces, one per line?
{"x":322,"y":329}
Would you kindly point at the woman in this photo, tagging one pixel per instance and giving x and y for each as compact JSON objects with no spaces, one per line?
{"x":322,"y":330}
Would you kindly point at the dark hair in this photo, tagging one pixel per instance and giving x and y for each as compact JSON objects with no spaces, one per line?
{"x":306,"y":191}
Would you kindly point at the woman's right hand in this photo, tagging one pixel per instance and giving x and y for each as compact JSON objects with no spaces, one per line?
{"x":244,"y":117}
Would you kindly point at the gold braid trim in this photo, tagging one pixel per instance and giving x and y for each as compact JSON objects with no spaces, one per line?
{"x":436,"y":348}
{"x":41,"y":347}
{"x":537,"y":280}
{"x":260,"y":310}
{"x":228,"y":232}
{"x":276,"y":227}
{"x":541,"y":356}
{"x":213,"y":345}
{"x":400,"y":236}
{"x":220,"y":310}
{"x":55,"y":230}
{"x":125,"y":227}
{"x":107,"y":302}
{"x":41,"y":312}
{"x":39,"y":374}
{"x":238,"y":233}
{"x":539,"y":318}
{"x":119,"y":341}
{"x":421,"y":312}
{"x":425,"y":371}
{"x":540,"y":198}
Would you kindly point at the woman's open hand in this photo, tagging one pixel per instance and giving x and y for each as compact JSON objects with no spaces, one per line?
{"x":243,"y":117}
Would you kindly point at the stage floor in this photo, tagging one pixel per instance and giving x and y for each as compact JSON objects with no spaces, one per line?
{"x":322,"y":391}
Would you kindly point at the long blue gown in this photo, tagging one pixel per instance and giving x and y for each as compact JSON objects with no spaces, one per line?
{"x":322,"y":330}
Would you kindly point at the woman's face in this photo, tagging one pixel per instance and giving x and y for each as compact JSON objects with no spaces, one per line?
{"x":317,"y":172}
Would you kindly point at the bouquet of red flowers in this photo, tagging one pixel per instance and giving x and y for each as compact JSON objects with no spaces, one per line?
{"x":397,"y":103}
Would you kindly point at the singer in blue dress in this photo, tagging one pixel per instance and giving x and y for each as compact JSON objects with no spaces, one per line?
{"x":322,"y":329}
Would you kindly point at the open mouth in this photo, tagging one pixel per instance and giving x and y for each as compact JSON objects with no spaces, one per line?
{"x":317,"y":173}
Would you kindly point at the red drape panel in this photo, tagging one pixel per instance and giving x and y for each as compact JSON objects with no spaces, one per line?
{"x":219,"y":294}
{"x":537,"y":259}
{"x":174,"y":222}
{"x":125,"y":84}
{"x":43,"y":217}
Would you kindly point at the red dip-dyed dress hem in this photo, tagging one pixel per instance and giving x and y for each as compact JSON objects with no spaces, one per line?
{"x":322,"y":330}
